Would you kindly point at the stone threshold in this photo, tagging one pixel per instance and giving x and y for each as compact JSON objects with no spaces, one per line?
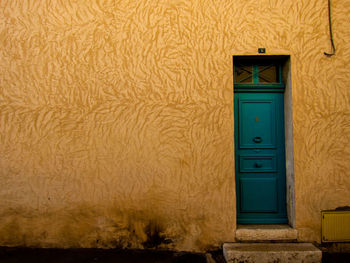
{"x":271,"y":253}
{"x":263,"y":233}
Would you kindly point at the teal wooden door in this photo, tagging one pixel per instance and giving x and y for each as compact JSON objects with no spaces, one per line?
{"x":260,"y":158}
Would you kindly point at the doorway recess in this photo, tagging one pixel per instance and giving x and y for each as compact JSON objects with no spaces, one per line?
{"x":264,"y":140}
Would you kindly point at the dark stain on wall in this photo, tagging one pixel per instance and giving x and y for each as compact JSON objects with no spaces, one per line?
{"x":154,"y":235}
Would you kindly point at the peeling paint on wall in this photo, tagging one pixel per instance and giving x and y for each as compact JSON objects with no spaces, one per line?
{"x":116,"y":118}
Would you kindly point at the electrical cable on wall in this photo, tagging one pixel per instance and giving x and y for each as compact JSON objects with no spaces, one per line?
{"x":330,"y":30}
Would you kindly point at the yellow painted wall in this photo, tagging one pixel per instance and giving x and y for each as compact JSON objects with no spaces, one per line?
{"x":116,"y":117}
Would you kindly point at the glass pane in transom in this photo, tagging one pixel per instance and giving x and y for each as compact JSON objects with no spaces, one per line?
{"x":243,"y":74}
{"x":268,"y":74}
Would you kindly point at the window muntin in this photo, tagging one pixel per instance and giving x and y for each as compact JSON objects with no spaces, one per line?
{"x":244,"y":74}
{"x":257,"y":73}
{"x":268,"y":74}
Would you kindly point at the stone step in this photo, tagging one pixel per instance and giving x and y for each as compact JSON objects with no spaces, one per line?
{"x":259,"y":233}
{"x":271,"y":253}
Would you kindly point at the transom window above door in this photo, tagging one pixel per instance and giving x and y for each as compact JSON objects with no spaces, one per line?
{"x":257,"y":73}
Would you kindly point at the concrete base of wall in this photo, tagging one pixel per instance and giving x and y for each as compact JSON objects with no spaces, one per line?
{"x":271,"y":252}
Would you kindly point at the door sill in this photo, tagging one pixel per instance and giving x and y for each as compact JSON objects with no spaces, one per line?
{"x":262,"y":233}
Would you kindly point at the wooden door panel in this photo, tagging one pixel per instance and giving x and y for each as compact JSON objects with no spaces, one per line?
{"x":257,"y":163}
{"x":260,"y":161}
{"x":257,"y":126}
{"x":259,"y":195}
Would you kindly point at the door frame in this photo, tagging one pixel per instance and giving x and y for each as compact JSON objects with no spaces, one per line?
{"x":286,"y":73}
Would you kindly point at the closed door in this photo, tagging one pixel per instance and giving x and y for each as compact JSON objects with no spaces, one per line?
{"x":260,"y":158}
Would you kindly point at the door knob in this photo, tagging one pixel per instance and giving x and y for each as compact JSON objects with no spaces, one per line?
{"x":257,"y":139}
{"x":258,"y":165}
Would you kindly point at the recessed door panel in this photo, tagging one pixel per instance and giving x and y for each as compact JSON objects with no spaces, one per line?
{"x":257,"y":125}
{"x":257,"y":164}
{"x":259,"y":195}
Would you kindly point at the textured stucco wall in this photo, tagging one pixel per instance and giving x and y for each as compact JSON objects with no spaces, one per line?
{"x":116,"y":117}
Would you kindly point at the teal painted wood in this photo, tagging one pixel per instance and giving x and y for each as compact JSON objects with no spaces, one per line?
{"x":255,"y":74}
{"x":261,"y":87}
{"x":260,"y":158}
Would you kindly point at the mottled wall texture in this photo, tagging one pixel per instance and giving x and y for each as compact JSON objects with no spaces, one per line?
{"x":116,"y":117}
